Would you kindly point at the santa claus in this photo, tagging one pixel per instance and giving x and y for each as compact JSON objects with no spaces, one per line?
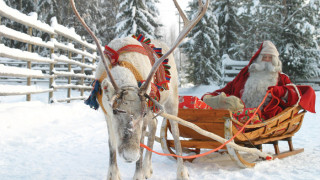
{"x":263,"y":73}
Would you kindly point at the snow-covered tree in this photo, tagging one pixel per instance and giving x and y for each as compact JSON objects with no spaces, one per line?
{"x":249,"y":38}
{"x":106,"y":25}
{"x":99,"y":15}
{"x":137,"y":17}
{"x":290,"y":25}
{"x":154,"y":11}
{"x":295,"y":39}
{"x":229,"y":26}
{"x":24,"y":6}
{"x":202,"y":48}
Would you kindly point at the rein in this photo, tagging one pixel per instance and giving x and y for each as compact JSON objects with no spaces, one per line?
{"x":221,"y":146}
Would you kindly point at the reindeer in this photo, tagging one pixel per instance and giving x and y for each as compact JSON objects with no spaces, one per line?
{"x":124,"y":102}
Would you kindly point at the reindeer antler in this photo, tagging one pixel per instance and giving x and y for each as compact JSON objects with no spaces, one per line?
{"x":98,"y":46}
{"x":188,"y":25}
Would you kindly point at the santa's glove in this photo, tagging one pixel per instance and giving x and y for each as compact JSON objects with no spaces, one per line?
{"x":206,"y":96}
{"x":222,"y":101}
{"x":279,"y":91}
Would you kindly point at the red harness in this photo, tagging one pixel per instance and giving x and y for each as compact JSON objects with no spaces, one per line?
{"x":114,"y":55}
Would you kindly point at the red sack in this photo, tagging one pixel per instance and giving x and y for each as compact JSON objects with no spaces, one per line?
{"x":192,"y":102}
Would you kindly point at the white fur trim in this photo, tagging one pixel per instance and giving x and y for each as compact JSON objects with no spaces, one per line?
{"x":298,"y":93}
{"x":269,"y":48}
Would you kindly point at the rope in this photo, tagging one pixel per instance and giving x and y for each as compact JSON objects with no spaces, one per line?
{"x":261,"y":154}
{"x":273,"y":97}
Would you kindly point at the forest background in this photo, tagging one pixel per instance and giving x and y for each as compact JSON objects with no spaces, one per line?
{"x":232,"y":27}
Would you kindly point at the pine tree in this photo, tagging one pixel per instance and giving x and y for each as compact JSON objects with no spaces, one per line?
{"x":154,"y":11}
{"x":291,"y":26}
{"x":91,"y":14}
{"x":229,"y":26}
{"x":296,"y":40}
{"x":202,"y":48}
{"x":109,"y":10}
{"x":248,"y":40}
{"x":135,"y":18}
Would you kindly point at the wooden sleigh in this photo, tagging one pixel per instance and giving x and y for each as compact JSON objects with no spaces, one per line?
{"x":279,"y":128}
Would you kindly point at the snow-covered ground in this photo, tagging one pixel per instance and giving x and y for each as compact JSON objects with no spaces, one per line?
{"x":69,"y":141}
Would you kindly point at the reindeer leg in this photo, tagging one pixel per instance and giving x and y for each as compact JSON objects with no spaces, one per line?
{"x":171,"y":107}
{"x":113,"y":171}
{"x":182,"y":171}
{"x":138,"y":175}
{"x":147,"y":163}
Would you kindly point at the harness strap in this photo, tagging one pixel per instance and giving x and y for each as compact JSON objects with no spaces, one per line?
{"x":114,"y":55}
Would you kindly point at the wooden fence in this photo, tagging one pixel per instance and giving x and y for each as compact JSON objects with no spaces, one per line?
{"x":230,"y":68}
{"x":69,"y":63}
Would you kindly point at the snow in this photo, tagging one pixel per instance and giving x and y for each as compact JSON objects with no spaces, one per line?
{"x":63,"y":58}
{"x":20,"y":89}
{"x":227,"y":61}
{"x":69,"y":33}
{"x":70,"y":141}
{"x":70,"y":47}
{"x":22,"y":71}
{"x":16,"y":35}
{"x":30,"y":21}
{"x":22,"y":55}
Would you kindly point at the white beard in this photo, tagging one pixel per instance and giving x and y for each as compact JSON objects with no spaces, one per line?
{"x":262,"y":75}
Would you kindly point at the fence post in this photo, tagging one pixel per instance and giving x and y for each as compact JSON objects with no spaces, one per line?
{"x":69,"y":69}
{"x":0,"y":35}
{"x":94,"y":61}
{"x":51,"y":79}
{"x":82,"y":71}
{"x":29,"y":64}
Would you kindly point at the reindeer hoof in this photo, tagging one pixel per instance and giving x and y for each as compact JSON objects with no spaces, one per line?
{"x":138,"y":176}
{"x":113,"y":174}
{"x":182,"y":173}
{"x":148,"y":173}
{"x":113,"y":177}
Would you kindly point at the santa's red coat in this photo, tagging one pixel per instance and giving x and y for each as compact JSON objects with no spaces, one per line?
{"x":236,"y":87}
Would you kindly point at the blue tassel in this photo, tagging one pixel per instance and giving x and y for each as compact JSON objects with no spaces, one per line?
{"x":92,"y":100}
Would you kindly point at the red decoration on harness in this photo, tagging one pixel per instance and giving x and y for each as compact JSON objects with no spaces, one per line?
{"x":112,"y":55}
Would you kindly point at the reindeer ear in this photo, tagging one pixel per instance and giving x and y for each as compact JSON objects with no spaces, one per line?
{"x":107,"y":89}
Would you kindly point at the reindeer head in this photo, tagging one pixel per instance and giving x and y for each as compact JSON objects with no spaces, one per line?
{"x":125,"y":105}
{"x":125,"y":109}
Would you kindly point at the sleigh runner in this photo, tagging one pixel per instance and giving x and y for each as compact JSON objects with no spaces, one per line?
{"x":222,"y":123}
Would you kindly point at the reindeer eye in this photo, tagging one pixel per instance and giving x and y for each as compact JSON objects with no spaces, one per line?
{"x":117,"y":111}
